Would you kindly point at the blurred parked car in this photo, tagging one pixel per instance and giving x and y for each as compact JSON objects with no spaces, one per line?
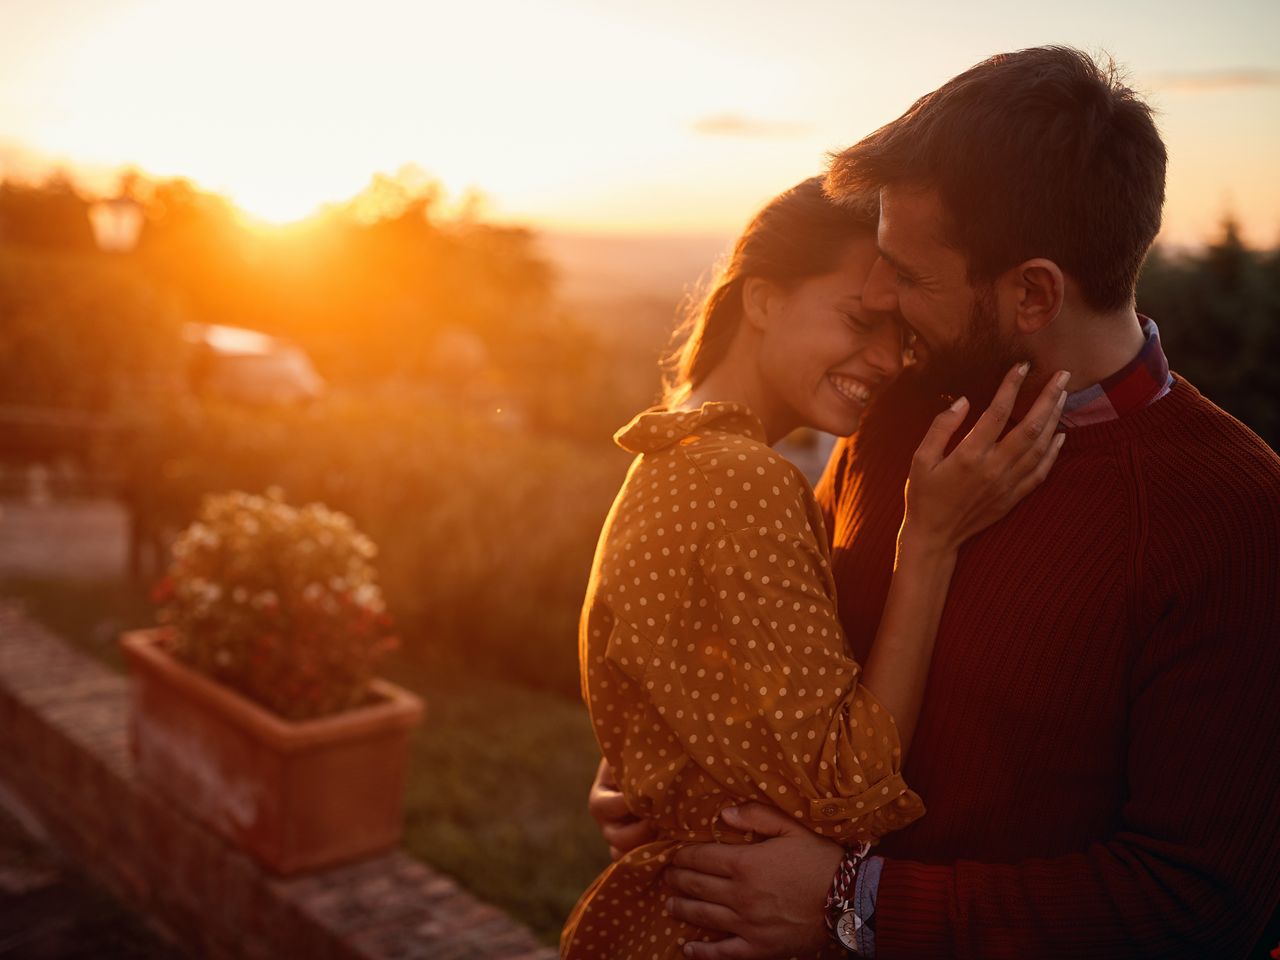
{"x":234,"y":363}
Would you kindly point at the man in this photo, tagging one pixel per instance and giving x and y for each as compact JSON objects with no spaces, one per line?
{"x":1098,"y":744}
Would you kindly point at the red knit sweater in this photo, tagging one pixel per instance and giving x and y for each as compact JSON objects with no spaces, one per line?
{"x":1099,"y":748}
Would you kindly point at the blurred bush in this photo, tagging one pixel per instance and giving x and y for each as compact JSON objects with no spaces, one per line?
{"x":79,"y":330}
{"x":1219,"y":315}
{"x":485,"y":529}
{"x":467,"y":430}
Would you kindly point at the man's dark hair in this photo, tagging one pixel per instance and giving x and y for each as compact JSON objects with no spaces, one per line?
{"x":1038,"y":153}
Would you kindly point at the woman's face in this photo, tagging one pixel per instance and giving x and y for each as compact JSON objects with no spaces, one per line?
{"x":824,"y":355}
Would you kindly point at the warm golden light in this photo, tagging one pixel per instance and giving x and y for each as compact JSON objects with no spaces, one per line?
{"x":583,"y":116}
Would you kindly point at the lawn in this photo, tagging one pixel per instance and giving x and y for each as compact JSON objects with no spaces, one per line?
{"x":499,"y":775}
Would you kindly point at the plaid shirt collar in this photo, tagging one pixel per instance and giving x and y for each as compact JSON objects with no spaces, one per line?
{"x":1140,"y":383}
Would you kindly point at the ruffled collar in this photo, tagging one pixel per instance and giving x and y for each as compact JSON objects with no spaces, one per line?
{"x":658,"y":427}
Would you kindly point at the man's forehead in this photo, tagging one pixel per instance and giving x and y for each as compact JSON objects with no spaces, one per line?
{"x":911,"y":220}
{"x":912,"y":209}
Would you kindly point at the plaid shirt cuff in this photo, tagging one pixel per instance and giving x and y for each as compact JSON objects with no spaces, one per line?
{"x":865,"y":891}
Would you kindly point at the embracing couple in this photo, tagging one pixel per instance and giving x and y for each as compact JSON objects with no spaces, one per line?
{"x":1006,"y":684}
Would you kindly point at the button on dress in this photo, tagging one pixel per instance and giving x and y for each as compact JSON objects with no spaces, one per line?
{"x":715,"y":670}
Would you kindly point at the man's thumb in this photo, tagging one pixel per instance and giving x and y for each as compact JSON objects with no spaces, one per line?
{"x":759,"y":818}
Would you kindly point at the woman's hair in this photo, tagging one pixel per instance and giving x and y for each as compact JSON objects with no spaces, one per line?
{"x":799,"y":234}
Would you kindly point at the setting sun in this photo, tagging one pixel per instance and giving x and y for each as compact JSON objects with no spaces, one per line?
{"x":570,"y":115}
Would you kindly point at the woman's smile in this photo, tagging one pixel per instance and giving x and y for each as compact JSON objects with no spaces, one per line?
{"x":852,"y":389}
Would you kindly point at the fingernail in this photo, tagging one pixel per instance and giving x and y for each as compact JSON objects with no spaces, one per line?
{"x":1024,"y":367}
{"x":1063,"y":379}
{"x":960,"y":404}
{"x":1059,"y":440}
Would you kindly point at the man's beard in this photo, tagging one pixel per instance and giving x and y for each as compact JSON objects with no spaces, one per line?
{"x":974,"y":365}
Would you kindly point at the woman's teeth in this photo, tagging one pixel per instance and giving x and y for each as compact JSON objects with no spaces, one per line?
{"x":855,"y":390}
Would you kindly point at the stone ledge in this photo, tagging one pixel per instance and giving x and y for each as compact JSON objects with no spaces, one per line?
{"x":64,"y":750}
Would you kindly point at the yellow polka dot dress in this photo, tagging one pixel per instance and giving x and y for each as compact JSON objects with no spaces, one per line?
{"x":715,"y":670}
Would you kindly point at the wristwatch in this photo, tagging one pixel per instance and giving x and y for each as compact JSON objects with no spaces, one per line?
{"x":843,"y":918}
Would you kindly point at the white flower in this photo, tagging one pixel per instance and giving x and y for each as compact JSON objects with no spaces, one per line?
{"x":368,"y":596}
{"x":202,"y":536}
{"x":312,"y":592}
{"x":239,"y":594}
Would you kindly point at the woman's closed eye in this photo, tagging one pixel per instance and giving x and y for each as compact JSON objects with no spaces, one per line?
{"x":858,"y":323}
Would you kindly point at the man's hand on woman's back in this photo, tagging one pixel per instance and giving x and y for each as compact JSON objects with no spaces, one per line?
{"x":765,"y":898}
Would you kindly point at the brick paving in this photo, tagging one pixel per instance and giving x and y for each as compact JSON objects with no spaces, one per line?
{"x":75,"y":539}
{"x":64,"y":749}
{"x":63,"y":733}
{"x":48,"y":911}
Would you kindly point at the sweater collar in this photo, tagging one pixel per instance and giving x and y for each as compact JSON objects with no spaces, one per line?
{"x":658,"y":427}
{"x":1140,"y":383}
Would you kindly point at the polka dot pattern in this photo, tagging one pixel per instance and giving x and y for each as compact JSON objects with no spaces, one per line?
{"x":715,"y":669}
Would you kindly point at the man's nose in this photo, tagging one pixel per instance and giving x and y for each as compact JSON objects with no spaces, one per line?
{"x":879,"y":293}
{"x":884,"y":353}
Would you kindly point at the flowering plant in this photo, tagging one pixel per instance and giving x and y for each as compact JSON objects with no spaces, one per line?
{"x":279,"y":603}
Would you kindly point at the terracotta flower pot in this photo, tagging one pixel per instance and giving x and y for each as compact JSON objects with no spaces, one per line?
{"x":294,"y":795}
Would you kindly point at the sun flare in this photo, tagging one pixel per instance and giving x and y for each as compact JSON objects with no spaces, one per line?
{"x":567,"y":114}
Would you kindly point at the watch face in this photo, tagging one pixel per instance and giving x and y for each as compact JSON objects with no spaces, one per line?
{"x":847,"y":929}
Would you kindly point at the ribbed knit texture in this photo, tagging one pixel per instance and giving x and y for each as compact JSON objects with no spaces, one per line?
{"x":1099,"y":748}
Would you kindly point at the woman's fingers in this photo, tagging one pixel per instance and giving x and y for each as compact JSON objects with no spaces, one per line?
{"x":1027,"y":445}
{"x":991,"y":424}
{"x":952,"y":497}
{"x":1043,"y":429}
{"x":1037,"y":427}
{"x":1041,"y":470}
{"x":934,"y":445}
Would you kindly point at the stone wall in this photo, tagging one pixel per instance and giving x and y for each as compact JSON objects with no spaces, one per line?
{"x":64,"y":750}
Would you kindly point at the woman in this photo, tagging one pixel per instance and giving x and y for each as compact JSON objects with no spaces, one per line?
{"x":712,"y":658}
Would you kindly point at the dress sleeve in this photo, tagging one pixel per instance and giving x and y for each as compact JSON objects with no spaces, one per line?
{"x":754,"y":677}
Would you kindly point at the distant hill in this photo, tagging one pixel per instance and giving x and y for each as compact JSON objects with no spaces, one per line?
{"x":595,"y":268}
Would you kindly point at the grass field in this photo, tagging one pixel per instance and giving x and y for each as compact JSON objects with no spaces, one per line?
{"x":499,"y":773}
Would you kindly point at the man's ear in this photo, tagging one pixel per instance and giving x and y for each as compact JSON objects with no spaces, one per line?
{"x":1039,"y":289}
{"x":757,"y":301}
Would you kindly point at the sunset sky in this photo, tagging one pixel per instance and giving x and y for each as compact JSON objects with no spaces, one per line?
{"x":663,"y":116}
